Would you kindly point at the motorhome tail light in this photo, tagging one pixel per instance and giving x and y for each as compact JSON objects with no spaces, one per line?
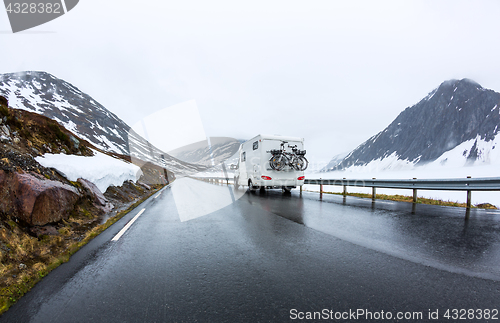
{"x":266,"y":178}
{"x":301,"y":178}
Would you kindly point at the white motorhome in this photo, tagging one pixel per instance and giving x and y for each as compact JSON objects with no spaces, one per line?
{"x":255,"y":170}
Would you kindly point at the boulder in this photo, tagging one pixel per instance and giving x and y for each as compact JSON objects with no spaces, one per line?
{"x":45,"y":230}
{"x":96,"y":195}
{"x":34,"y":200}
{"x":146,"y":186}
{"x":5,"y":130}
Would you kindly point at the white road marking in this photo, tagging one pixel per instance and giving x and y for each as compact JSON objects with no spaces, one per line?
{"x":158,"y":194}
{"x":122,"y":231}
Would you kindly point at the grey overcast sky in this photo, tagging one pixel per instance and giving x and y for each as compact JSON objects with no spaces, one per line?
{"x":333,"y":72}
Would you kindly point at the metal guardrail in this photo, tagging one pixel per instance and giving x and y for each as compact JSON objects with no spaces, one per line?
{"x":451,"y":184}
{"x":214,"y":180}
{"x":455,"y":184}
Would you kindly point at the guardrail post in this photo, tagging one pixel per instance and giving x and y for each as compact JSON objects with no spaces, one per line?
{"x":345,"y":189}
{"x":320,"y":188}
{"x":469,"y":196}
{"x":414,"y":193}
{"x":374,"y":191}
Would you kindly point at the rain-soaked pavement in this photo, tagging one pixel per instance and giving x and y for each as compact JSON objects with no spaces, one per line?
{"x":206,"y":253}
{"x":435,"y":236}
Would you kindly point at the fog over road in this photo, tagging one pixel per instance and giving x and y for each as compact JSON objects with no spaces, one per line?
{"x":206,"y":253}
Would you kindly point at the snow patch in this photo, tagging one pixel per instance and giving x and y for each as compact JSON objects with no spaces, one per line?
{"x":115,"y":132}
{"x":486,"y":155}
{"x":390,"y":162}
{"x":37,"y":84}
{"x":430,"y":95}
{"x":101,"y":169}
{"x":110,"y":146}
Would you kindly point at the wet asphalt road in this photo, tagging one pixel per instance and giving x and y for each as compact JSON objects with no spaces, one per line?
{"x":269,"y":257}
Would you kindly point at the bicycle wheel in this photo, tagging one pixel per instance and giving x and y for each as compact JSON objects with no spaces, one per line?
{"x":272,"y":162}
{"x":304,"y":163}
{"x":300,"y":163}
{"x":278,"y":162}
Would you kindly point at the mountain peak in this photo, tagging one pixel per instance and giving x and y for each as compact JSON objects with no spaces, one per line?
{"x":454,"y":83}
{"x":457,"y":111}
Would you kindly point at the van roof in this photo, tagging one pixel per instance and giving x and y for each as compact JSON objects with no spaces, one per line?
{"x":277,"y":137}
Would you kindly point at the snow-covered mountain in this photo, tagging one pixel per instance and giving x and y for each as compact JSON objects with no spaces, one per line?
{"x":78,"y":112}
{"x":219,"y":150}
{"x":456,"y":124}
{"x":334,"y":161}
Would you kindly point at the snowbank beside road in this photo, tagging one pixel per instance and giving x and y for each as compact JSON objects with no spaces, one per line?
{"x":101,"y":169}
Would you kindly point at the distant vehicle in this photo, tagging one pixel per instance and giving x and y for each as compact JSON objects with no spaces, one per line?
{"x":270,"y":162}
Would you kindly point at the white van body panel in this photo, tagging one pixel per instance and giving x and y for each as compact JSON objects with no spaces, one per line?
{"x":253,"y":163}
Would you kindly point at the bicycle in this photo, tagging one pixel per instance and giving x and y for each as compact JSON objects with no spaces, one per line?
{"x":281,"y":158}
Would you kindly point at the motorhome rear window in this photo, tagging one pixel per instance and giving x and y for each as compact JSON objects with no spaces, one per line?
{"x":243,"y":156}
{"x":255,"y":145}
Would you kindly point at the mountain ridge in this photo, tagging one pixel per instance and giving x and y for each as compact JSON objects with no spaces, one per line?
{"x":43,"y":93}
{"x":202,"y":153}
{"x":457,"y":111}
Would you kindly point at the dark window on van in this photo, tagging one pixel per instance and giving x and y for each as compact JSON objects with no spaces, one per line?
{"x":255,"y":145}
{"x":243,"y":156}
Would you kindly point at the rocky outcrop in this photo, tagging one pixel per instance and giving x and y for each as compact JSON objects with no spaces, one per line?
{"x":4,"y":101}
{"x":35,"y":200}
{"x":97,"y":197}
{"x":146,"y":186}
{"x":46,"y":230}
